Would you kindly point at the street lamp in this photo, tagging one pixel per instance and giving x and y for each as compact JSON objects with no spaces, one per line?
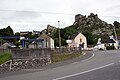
{"x":59,"y":34}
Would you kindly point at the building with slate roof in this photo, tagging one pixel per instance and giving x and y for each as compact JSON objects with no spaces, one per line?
{"x":103,"y":43}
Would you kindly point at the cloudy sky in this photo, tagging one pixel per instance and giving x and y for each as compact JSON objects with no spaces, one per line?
{"x":29,"y":15}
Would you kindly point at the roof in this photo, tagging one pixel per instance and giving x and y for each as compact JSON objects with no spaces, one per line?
{"x":37,"y":40}
{"x":9,"y":37}
{"x":73,"y":36}
{"x":107,"y":41}
{"x":118,"y":37}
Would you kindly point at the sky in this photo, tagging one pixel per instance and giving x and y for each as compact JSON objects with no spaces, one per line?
{"x":29,"y":15}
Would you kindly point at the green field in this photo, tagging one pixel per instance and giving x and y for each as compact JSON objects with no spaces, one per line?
{"x":5,"y":56}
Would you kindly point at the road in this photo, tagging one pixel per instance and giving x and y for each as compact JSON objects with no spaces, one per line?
{"x":103,"y":65}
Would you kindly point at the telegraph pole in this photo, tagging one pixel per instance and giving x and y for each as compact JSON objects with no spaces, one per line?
{"x":115,"y":36}
{"x":59,"y":34}
{"x":115,"y":33}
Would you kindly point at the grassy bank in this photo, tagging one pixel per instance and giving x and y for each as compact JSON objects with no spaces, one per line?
{"x":62,"y":57}
{"x":5,"y":56}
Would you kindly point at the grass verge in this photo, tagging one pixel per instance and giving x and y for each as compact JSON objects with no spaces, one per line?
{"x":62,"y":57}
{"x":5,"y":56}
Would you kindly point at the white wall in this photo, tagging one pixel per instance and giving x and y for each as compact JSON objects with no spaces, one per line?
{"x":76,"y":41}
{"x":51,"y":43}
{"x":100,"y":46}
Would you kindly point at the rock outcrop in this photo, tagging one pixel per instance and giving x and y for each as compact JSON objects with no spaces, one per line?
{"x":49,"y":29}
{"x":93,"y":24}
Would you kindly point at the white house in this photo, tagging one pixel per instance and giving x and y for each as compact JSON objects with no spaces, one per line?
{"x":49,"y":42}
{"x":78,"y":40}
{"x":103,"y":43}
{"x":117,"y":40}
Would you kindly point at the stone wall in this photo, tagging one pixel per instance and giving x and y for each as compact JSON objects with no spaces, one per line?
{"x":18,"y":64}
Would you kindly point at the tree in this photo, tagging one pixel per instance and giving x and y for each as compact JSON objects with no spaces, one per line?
{"x":116,"y":24}
{"x":9,"y":31}
{"x":6,"y":31}
{"x":17,"y":34}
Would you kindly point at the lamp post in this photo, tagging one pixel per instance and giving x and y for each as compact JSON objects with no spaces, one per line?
{"x":59,"y":34}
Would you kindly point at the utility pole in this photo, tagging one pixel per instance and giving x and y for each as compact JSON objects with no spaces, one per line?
{"x":59,"y":34}
{"x":115,"y":36}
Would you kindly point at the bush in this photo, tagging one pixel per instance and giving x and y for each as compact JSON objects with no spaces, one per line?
{"x":5,"y":57}
{"x":110,"y":47}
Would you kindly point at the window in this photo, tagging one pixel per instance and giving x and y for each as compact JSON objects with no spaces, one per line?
{"x":80,"y":40}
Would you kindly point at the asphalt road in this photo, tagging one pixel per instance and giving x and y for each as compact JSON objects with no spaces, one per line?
{"x":104,"y":65}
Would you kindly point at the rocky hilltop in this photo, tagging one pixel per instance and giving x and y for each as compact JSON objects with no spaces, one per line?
{"x":91,"y":26}
{"x":92,"y":23}
{"x":50,"y":29}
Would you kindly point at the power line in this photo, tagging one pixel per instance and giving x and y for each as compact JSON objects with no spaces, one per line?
{"x":50,"y":13}
{"x":35,"y":12}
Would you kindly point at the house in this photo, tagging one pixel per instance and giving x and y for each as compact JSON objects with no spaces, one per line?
{"x":32,"y":43}
{"x":117,"y":40}
{"x":25,"y":33}
{"x":36,"y":32}
{"x":104,"y":43}
{"x":5,"y":46}
{"x":48,"y":40}
{"x":78,"y":40}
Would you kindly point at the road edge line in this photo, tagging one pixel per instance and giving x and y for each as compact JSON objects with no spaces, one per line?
{"x":89,"y":57}
{"x":83,"y":72}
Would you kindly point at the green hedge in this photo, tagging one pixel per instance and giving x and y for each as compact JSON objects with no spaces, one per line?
{"x":5,"y":56}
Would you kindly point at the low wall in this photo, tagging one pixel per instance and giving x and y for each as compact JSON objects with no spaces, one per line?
{"x":32,"y":58}
{"x":30,"y":53}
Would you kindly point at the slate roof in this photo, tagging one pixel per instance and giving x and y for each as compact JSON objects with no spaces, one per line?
{"x":107,"y":41}
{"x":117,"y":37}
{"x":73,"y":36}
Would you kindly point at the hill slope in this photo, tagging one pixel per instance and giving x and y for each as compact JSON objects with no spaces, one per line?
{"x":91,"y":26}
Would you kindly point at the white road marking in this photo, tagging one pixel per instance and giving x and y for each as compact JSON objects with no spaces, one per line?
{"x":84,"y":72}
{"x":85,"y":59}
{"x":119,"y":61}
{"x":84,"y":53}
{"x":89,"y":58}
